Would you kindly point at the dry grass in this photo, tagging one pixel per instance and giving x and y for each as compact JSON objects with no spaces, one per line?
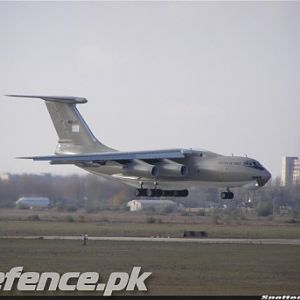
{"x":122,"y":223}
{"x":178,"y":269}
{"x":22,"y":228}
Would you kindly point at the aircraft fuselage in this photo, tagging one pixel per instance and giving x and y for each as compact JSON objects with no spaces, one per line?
{"x":204,"y":168}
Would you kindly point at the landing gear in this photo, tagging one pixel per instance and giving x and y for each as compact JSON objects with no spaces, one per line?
{"x":227,"y":195}
{"x":140,"y":192}
{"x":151,"y":192}
{"x":160,"y":193}
{"x":175,"y":193}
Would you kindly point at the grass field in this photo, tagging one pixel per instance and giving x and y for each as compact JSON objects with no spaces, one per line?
{"x":178,"y":268}
{"x":22,"y":228}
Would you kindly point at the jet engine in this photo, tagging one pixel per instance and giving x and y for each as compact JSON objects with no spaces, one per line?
{"x":140,"y":169}
{"x":170,"y":168}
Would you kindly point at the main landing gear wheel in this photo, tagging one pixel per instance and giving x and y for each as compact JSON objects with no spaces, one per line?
{"x":175,"y":193}
{"x":151,"y":192}
{"x":227,"y":195}
{"x":140,"y":192}
{"x":160,"y":193}
{"x":154,"y":193}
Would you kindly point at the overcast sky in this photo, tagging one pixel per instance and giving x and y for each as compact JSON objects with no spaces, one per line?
{"x":223,"y":76}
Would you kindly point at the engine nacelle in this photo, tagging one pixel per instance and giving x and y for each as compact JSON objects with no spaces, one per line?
{"x":140,"y":169}
{"x":170,"y":168}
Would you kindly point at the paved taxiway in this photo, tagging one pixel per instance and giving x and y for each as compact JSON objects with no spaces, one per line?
{"x":169,"y":239}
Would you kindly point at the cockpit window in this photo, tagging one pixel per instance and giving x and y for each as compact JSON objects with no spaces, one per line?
{"x":253,"y":164}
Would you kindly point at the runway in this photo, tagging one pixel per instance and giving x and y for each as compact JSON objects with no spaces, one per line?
{"x":269,"y":241}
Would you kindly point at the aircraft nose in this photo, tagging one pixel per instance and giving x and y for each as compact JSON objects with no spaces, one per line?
{"x":265,"y":177}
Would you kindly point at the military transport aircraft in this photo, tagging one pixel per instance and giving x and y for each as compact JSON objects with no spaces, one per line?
{"x":154,"y":173}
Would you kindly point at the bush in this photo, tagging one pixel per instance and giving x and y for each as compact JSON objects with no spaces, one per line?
{"x":92,"y":207}
{"x":22,"y":206}
{"x":71,"y":208}
{"x":295,"y":213}
{"x":70,"y":219}
{"x":151,"y":220}
{"x":264,"y":209}
{"x":216,"y":219}
{"x":81,"y":218}
{"x":184,"y":213}
{"x":201,"y":212}
{"x":34,"y":218}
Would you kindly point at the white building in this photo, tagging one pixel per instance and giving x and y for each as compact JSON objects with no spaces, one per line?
{"x":136,"y":205}
{"x":290,"y":171}
{"x":33,"y":202}
{"x":4,"y":176}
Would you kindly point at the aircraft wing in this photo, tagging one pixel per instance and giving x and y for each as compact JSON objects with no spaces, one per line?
{"x":110,"y":156}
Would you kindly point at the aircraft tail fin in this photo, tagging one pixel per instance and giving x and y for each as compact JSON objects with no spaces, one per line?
{"x":74,"y":135}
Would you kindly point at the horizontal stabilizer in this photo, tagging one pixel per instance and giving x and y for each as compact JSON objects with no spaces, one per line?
{"x":61,"y":99}
{"x":110,"y":156}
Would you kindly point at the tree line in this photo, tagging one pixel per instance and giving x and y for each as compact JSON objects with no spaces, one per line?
{"x":65,"y":192}
{"x":93,"y":193}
